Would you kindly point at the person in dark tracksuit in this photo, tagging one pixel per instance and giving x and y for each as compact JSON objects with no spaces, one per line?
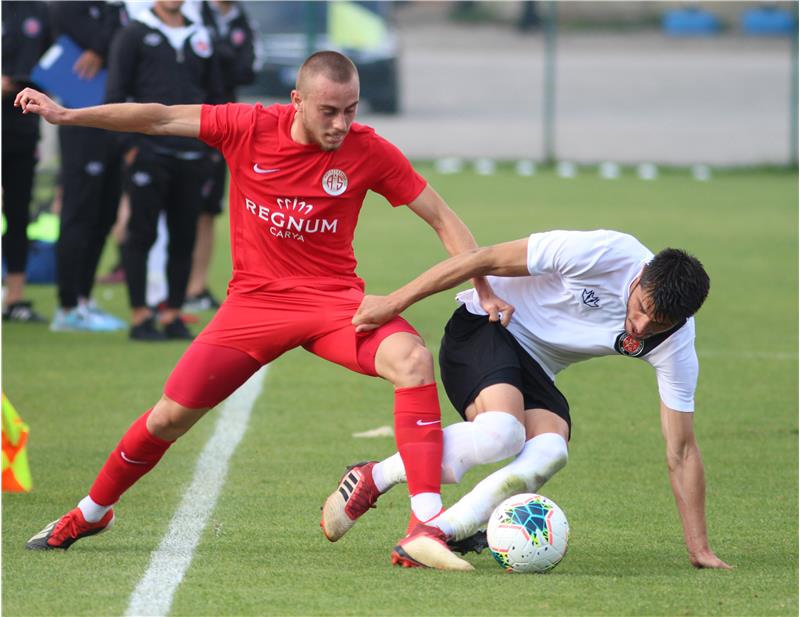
{"x":163,"y":57}
{"x":232,"y":35}
{"x":26,"y":36}
{"x":91,"y":173}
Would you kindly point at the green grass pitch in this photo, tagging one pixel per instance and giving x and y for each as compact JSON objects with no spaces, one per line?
{"x":263,"y":552}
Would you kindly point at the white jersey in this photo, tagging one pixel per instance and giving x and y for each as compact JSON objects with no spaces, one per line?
{"x":573,"y":308}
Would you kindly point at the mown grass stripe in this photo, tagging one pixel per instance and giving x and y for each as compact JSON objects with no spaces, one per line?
{"x":170,"y":561}
{"x":748,"y":355}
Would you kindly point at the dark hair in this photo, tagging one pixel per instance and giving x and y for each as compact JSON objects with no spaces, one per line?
{"x":677,"y":284}
{"x":335,"y":66}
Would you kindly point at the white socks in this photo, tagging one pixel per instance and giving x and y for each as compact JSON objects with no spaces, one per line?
{"x":539,"y":460}
{"x":426,"y":505}
{"x":491,"y":437}
{"x":91,"y":510}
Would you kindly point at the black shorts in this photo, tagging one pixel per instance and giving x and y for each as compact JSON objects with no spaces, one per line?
{"x":477,"y":353}
{"x":214,"y":186}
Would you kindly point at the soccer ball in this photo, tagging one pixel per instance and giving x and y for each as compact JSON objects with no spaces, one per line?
{"x":527,"y":533}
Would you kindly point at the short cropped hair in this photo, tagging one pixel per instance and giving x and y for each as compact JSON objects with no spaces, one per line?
{"x":335,"y":66}
{"x":676,"y":283}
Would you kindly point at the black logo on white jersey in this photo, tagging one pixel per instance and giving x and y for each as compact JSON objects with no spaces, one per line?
{"x":590,"y":299}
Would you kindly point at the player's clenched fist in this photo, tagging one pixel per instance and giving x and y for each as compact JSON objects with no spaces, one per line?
{"x":33,"y":101}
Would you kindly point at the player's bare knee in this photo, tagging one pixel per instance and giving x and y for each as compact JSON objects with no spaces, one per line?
{"x":419,"y":369}
{"x":169,"y":419}
{"x":413,"y":368}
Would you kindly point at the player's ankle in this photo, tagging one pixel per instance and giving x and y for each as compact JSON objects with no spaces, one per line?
{"x":443,"y":525}
{"x":91,"y":510}
{"x":426,"y":506}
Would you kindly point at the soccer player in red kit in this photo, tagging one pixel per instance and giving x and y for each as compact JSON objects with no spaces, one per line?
{"x":299,"y":175}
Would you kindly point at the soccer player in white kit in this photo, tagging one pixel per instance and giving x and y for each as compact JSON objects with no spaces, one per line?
{"x":577,"y":295}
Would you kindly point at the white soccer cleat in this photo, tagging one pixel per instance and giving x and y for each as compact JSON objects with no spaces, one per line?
{"x":426,"y":547}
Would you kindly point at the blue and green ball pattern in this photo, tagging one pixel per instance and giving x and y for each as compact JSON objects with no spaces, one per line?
{"x":533,"y":517}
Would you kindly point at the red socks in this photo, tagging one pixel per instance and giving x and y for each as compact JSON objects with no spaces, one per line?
{"x":418,"y":433}
{"x":135,"y":455}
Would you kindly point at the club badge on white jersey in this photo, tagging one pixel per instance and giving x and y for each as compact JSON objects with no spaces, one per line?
{"x":629,"y":345}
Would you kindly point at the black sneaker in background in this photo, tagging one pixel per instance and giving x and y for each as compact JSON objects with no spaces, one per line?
{"x":201,"y":302}
{"x":22,"y":312}
{"x":147,"y":331}
{"x":177,"y":330}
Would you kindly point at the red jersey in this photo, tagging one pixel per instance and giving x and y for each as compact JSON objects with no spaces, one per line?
{"x":294,"y":207}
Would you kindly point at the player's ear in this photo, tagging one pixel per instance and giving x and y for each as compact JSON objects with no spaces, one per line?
{"x":296,"y":100}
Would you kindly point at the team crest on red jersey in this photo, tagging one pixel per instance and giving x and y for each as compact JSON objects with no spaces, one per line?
{"x":334,"y":182}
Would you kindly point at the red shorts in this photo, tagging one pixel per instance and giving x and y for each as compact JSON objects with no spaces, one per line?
{"x":257,"y":328}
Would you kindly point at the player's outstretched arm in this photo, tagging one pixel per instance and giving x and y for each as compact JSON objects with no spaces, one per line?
{"x":687,"y":477}
{"x":150,"y":118}
{"x":457,"y":238}
{"x":507,"y":259}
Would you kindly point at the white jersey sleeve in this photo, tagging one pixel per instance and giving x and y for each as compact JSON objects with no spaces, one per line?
{"x":677,"y":368}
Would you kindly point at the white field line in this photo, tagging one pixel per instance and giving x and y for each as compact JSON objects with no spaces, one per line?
{"x":170,"y":561}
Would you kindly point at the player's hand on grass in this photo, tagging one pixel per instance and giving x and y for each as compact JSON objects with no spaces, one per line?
{"x":33,"y":101}
{"x":707,"y":559}
{"x":374,"y":312}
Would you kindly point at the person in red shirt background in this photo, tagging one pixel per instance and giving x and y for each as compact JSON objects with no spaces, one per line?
{"x":299,"y":175}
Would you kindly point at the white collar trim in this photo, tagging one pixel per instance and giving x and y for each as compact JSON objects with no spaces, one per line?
{"x":176,"y":36}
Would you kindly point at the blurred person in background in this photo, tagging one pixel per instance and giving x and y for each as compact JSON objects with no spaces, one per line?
{"x":116,"y":274}
{"x":232,"y":35}
{"x":26,"y":36}
{"x":529,"y":16}
{"x":163,"y":57}
{"x":91,"y":173}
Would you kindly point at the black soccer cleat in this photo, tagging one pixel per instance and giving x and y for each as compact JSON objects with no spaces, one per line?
{"x":471,"y":544}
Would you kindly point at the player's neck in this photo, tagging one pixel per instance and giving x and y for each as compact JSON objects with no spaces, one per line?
{"x":298,"y":132}
{"x":222,"y":8}
{"x":168,"y":18}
